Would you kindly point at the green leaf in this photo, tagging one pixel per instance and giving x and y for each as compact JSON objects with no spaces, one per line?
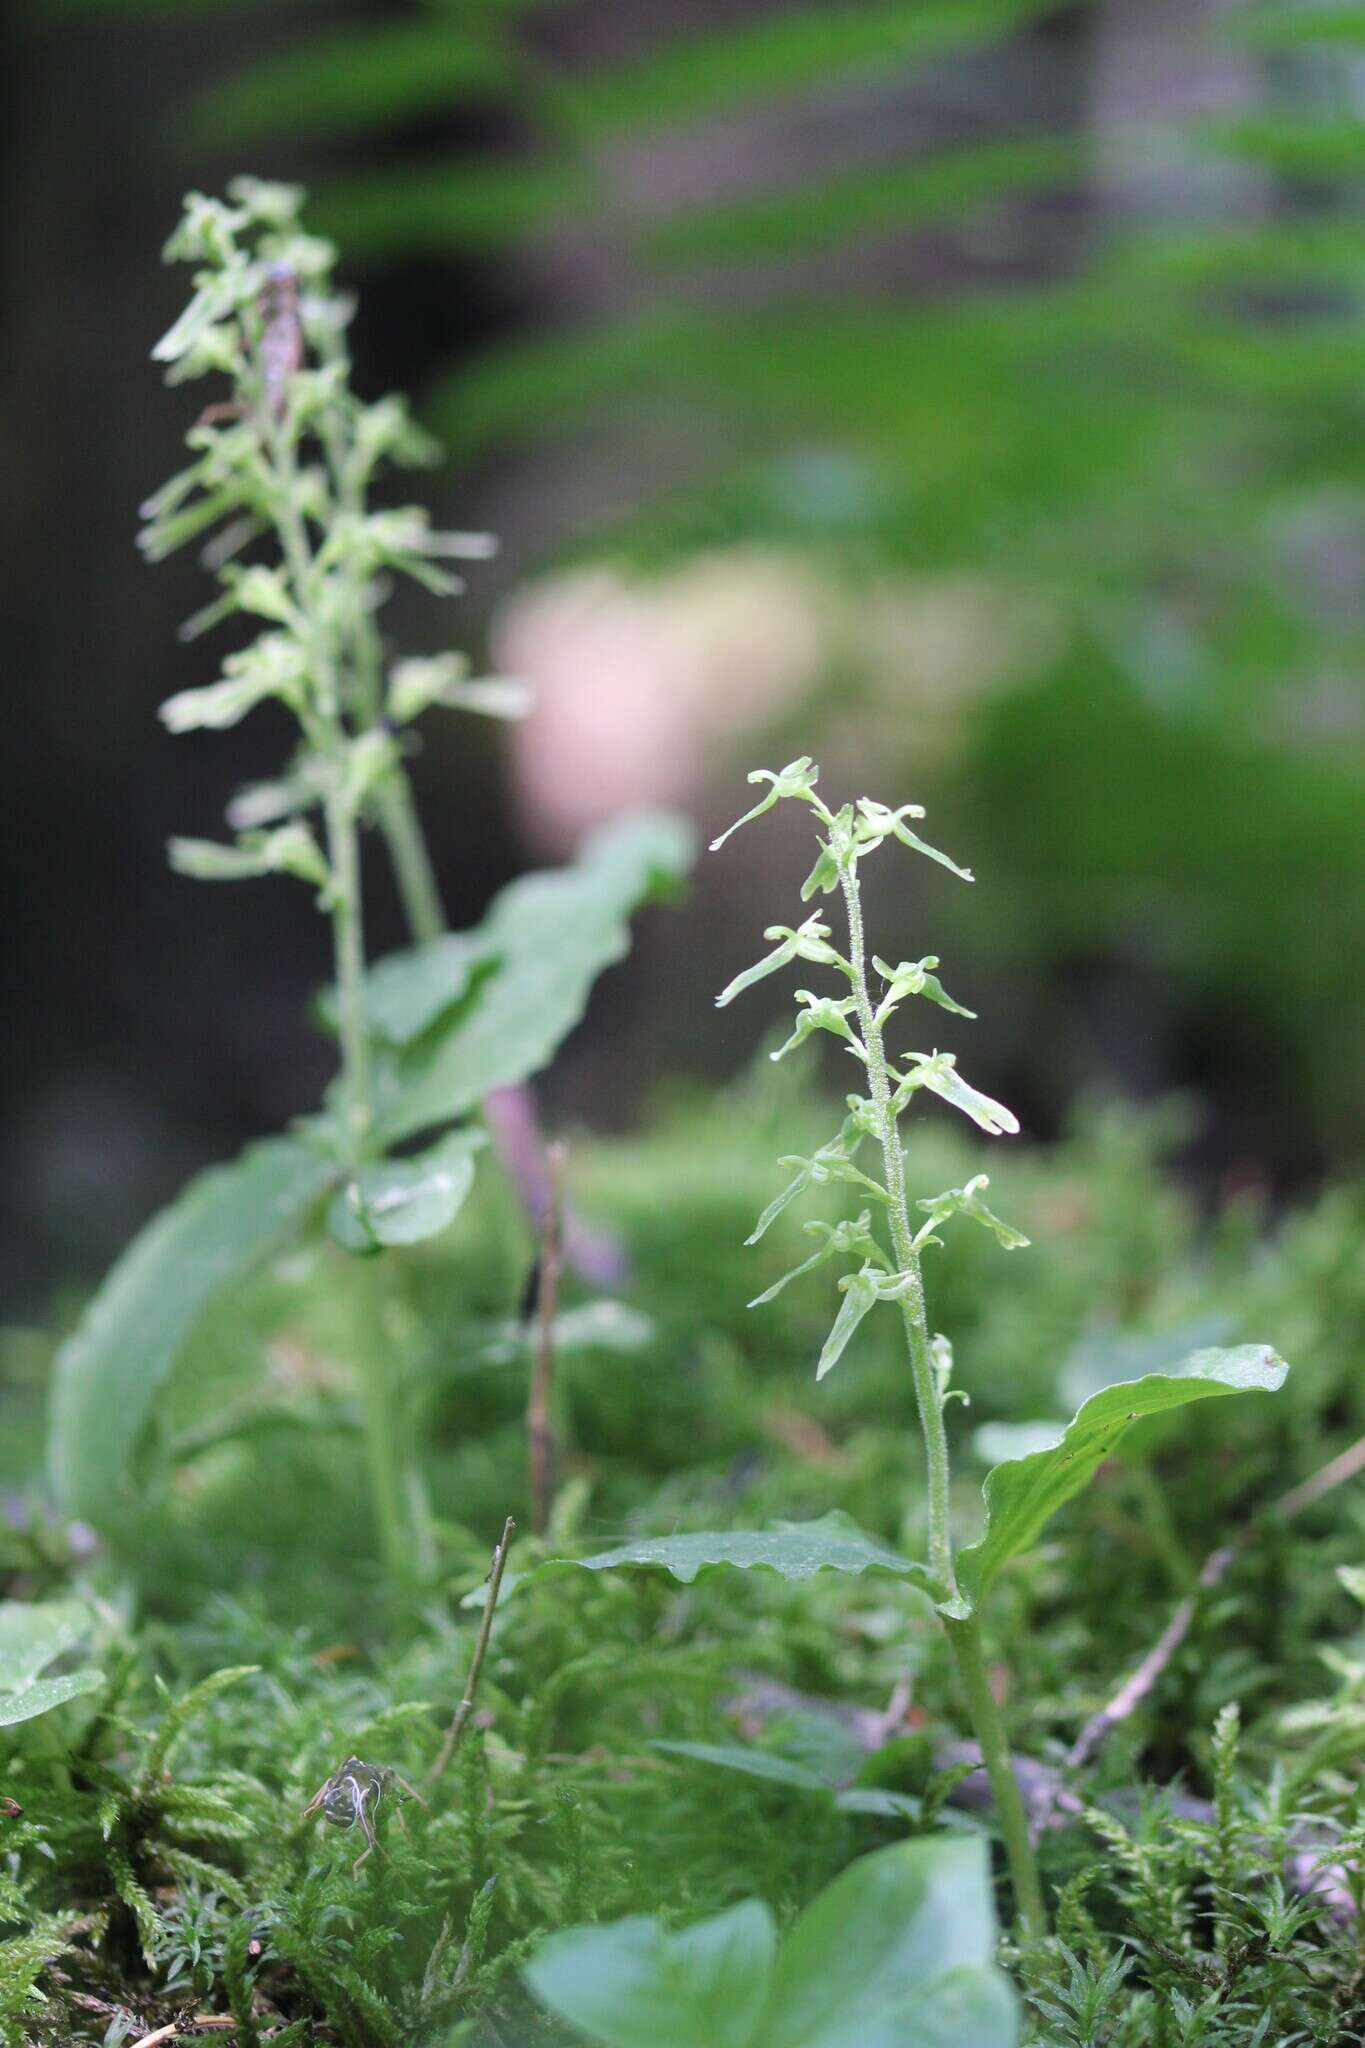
{"x":1101,"y":1357}
{"x":1268,"y":28}
{"x":888,"y":198}
{"x":353,"y":81}
{"x":45,"y":1695}
{"x":896,"y":1953}
{"x":551,"y":935}
{"x":1022,"y":1494}
{"x":794,"y":1550}
{"x":880,"y":1802}
{"x":33,"y":1634}
{"x":417,"y":208}
{"x":110,"y":1371}
{"x":407,"y":992}
{"x":784,"y":51}
{"x":403,"y":1201}
{"x":751,"y":1763}
{"x":633,"y":1985}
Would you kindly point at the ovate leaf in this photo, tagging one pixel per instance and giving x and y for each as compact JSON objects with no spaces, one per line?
{"x":552,"y":934}
{"x":402,"y":1201}
{"x":794,"y":1550}
{"x":34,"y":1634}
{"x":1023,"y":1493}
{"x":896,"y":1953}
{"x":46,"y":1694}
{"x":634,"y":1985}
{"x":109,"y":1372}
{"x":407,"y":992}
{"x":1102,"y":1357}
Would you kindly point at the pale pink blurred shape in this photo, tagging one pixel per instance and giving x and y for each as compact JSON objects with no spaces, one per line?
{"x":634,"y":681}
{"x":650,"y":690}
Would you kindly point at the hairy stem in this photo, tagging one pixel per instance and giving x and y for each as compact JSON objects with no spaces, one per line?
{"x":965,"y":1638}
{"x":927,"y":1397}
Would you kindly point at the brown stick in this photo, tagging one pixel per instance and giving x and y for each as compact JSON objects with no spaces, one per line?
{"x":451,"y":1741}
{"x":1142,"y":1682}
{"x":540,"y":1437}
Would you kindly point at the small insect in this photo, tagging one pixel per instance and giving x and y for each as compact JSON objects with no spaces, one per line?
{"x":351,"y":1798}
{"x":10,"y":1809}
{"x":282,"y":339}
{"x":281,"y":347}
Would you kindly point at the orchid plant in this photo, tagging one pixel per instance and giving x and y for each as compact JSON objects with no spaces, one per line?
{"x":882,"y":1249}
{"x":887,"y":1266}
{"x":278,"y":497}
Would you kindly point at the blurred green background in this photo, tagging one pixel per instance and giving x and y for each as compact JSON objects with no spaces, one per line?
{"x":968,"y":392}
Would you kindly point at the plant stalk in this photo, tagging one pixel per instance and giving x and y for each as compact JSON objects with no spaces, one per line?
{"x":411,"y":861}
{"x":927,"y":1397}
{"x":348,"y":945}
{"x":965,"y":1639}
{"x":384,"y":1447}
{"x":964,"y":1636}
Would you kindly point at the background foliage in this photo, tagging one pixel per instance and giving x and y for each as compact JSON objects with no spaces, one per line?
{"x":1057,"y":305}
{"x":1034,"y":333}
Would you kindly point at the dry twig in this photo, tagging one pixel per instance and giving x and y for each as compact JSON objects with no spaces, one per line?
{"x":456,"y":1729}
{"x":1142,"y":1682}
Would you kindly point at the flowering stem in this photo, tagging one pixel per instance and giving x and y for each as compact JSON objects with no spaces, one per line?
{"x":386,"y":1456}
{"x":964,"y":1636}
{"x":927,"y":1398}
